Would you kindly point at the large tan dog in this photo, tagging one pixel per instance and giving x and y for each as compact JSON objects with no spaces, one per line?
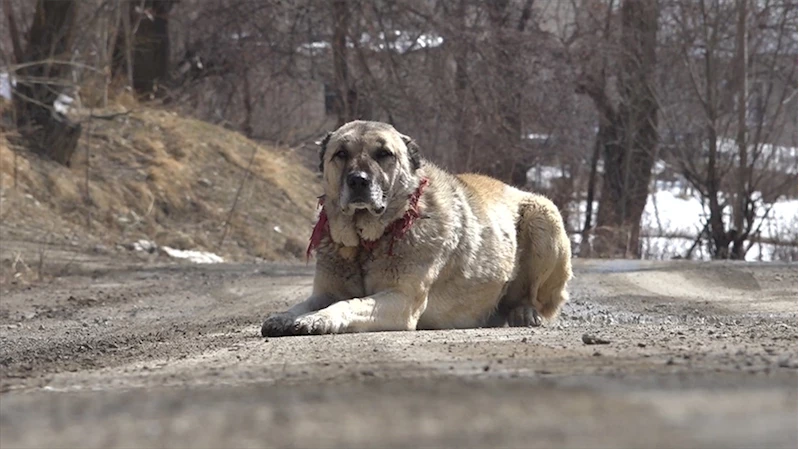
{"x":403,"y":245}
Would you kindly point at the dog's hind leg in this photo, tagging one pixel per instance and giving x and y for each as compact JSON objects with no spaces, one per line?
{"x":524,"y":316}
{"x":518,"y":309}
{"x":544,"y":264}
{"x":516,"y":306}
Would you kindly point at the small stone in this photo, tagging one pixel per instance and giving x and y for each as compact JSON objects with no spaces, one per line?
{"x":524,"y":340}
{"x":642,"y":345}
{"x":592,"y":340}
{"x":100,"y":249}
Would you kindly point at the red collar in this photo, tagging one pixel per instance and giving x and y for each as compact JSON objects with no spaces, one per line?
{"x":397,"y":229}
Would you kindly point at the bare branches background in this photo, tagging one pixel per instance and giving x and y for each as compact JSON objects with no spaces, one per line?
{"x":599,"y":92}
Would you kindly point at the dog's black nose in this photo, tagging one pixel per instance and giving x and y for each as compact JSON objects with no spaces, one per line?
{"x":357,"y":180}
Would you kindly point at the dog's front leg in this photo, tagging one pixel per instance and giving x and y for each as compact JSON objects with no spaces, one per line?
{"x":336,"y":278}
{"x":389,"y":310}
{"x":280,"y":324}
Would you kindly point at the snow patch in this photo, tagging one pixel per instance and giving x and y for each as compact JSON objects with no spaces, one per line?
{"x":190,"y":255}
{"x":762,"y":156}
{"x":536,"y":136}
{"x":5,"y":85}
{"x":193,"y":256}
{"x":670,"y":211}
{"x":63,"y":103}
{"x":674,"y":216}
{"x":541,"y":176}
{"x":144,"y":245}
{"x":396,"y":41}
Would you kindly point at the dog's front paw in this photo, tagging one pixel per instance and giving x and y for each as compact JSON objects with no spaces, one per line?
{"x":524,"y":316}
{"x":278,"y":325}
{"x":316,"y":324}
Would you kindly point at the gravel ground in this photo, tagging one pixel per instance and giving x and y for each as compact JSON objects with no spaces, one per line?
{"x":646,"y":354}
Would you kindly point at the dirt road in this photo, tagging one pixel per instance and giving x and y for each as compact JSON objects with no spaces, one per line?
{"x":700,"y":355}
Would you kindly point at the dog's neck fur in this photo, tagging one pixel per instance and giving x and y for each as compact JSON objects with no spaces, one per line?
{"x":366,"y":230}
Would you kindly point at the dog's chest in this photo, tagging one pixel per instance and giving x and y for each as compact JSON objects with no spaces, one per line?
{"x":379,"y":273}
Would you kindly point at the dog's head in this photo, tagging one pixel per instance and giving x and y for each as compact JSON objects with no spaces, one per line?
{"x":366,"y":165}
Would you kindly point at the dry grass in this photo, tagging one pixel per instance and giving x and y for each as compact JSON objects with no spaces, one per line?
{"x":154,"y":175}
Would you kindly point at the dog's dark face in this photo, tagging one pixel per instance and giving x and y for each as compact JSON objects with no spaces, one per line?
{"x":366,"y":165}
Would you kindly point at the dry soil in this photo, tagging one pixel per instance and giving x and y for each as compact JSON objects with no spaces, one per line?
{"x":700,"y":355}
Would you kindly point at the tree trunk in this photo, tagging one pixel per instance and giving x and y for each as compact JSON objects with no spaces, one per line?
{"x":464,"y":134}
{"x":630,"y":138}
{"x":509,"y":89}
{"x":50,"y":38}
{"x":347,"y":98}
{"x":13,"y":32}
{"x":719,"y":237}
{"x":246,"y":94}
{"x":149,"y":52}
{"x":611,"y":237}
{"x":585,"y":247}
{"x":518,"y":174}
{"x":739,"y":231}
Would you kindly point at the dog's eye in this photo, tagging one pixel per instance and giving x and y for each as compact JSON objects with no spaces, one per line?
{"x":340,"y":154}
{"x":383,"y":154}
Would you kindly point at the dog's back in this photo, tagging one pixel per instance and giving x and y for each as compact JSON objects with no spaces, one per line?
{"x":539,"y":250}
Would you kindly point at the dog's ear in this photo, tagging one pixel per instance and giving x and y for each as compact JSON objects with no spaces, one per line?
{"x":413,"y":152}
{"x":322,"y":148}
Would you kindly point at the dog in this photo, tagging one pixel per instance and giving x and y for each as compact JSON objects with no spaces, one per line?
{"x":401,"y":244}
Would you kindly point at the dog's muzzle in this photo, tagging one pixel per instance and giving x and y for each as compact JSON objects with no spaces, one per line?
{"x":359,"y":182}
{"x":361,"y":193}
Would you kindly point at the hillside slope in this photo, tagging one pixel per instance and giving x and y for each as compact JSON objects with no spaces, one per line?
{"x":152,"y":175}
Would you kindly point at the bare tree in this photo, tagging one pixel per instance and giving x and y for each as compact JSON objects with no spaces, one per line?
{"x":509,"y":85}
{"x":736,"y":160}
{"x":560,"y":91}
{"x":142,"y":50}
{"x":742,"y":57}
{"x":627,"y":132}
{"x":347,"y":95}
{"x":44,"y":64}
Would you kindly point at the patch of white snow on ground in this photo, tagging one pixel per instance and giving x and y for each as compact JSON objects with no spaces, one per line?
{"x":674,"y":216}
{"x":193,"y":256}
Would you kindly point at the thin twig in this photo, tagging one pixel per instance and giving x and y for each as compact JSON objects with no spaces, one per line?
{"x":236,"y":198}
{"x":110,"y":116}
